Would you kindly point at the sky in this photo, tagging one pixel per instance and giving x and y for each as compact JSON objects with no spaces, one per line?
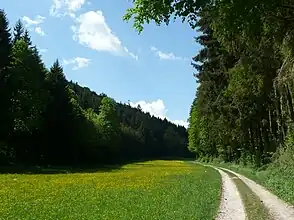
{"x":101,"y":51}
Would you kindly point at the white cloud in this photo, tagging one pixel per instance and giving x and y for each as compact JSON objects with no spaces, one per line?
{"x":30,"y":22}
{"x":164,"y":55}
{"x":39,"y":31}
{"x":181,"y":123}
{"x":91,"y":30}
{"x":77,"y":62}
{"x":157,"y":109}
{"x":153,"y":48}
{"x":65,"y":7}
{"x":131,"y":54}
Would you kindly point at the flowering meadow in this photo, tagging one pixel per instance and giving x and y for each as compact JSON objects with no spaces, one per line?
{"x":147,"y":190}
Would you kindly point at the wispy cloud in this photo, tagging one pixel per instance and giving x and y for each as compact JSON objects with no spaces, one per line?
{"x":77,"y":62}
{"x":35,"y":22}
{"x":166,"y":56}
{"x":61,"y":8}
{"x":39,"y":31}
{"x":92,"y":31}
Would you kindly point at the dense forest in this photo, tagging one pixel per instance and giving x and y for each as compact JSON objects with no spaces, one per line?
{"x":243,"y":108}
{"x":45,"y":119}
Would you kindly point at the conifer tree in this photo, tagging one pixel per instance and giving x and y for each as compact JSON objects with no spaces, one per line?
{"x":18,"y":31}
{"x":5,"y":93}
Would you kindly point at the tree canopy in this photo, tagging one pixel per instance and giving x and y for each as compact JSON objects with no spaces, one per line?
{"x":243,"y":108}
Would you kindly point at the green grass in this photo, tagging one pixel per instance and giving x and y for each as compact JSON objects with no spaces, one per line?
{"x":150,"y":190}
{"x":255,"y":209}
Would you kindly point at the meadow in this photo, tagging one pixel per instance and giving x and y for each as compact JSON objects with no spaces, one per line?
{"x":146,"y":190}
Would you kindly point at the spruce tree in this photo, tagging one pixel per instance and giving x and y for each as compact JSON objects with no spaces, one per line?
{"x":27,"y":38}
{"x":5,"y":93}
{"x":58,"y":116}
{"x":26,"y":84}
{"x":18,"y":31}
{"x":5,"y":41}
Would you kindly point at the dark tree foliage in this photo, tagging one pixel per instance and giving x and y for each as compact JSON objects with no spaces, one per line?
{"x":243,"y":108}
{"x":18,"y":31}
{"x":47,"y":120}
{"x":5,"y":94}
{"x":142,"y":135}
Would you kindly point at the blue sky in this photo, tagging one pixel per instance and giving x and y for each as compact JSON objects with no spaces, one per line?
{"x":101,"y":51}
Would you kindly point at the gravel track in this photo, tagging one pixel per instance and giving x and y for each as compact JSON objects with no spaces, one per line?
{"x":278,"y":209}
{"x":231,"y":207}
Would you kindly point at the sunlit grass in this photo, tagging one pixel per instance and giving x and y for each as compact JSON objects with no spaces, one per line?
{"x":149,"y":190}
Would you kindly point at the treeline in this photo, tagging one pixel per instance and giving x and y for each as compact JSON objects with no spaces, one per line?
{"x":243,"y":108}
{"x":44,"y":119}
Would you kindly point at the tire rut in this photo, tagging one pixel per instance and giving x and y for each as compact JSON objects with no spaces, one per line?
{"x":231,"y":207}
{"x":278,"y":209}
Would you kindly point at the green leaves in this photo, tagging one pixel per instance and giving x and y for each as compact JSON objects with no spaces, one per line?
{"x":194,"y":129}
{"x":162,"y":11}
{"x":26,"y":80}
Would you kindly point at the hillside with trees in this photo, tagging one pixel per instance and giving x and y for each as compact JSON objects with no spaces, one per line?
{"x":45,"y":119}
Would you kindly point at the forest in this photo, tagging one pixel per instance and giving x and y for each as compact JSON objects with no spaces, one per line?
{"x":87,"y":156}
{"x":47,"y":120}
{"x":243,"y":106}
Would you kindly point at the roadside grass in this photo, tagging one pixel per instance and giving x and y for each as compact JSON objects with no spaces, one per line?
{"x":148,"y":190}
{"x":255,"y":209}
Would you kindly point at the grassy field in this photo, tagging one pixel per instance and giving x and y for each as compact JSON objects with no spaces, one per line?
{"x":149,"y":190}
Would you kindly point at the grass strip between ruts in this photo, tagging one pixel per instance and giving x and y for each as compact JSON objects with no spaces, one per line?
{"x":255,"y":209}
